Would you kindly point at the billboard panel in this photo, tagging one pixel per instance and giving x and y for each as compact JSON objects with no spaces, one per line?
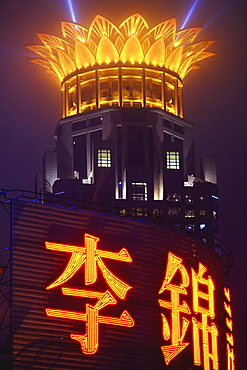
{"x":105,"y":292}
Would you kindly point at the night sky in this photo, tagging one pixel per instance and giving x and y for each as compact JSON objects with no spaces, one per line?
{"x":214,"y":100}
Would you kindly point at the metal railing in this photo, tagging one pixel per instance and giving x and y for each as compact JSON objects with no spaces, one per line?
{"x":7,"y":196}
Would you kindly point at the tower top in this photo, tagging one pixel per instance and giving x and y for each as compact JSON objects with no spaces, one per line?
{"x":133,"y":42}
{"x":129,"y":65}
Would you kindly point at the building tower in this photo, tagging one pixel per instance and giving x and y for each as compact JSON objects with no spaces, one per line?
{"x":121,"y":272}
{"x":123,"y":141}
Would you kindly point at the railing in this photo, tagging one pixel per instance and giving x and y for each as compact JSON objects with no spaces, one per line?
{"x":7,"y":196}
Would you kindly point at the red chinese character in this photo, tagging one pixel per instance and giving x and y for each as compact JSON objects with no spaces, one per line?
{"x":91,"y":257}
{"x":203,"y":303}
{"x":179,"y":324}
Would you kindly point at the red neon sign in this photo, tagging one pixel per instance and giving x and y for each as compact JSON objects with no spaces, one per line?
{"x":176,"y":331}
{"x":91,"y":258}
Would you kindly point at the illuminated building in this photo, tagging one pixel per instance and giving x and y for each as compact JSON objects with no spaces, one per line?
{"x":122,"y":265}
{"x":122,"y":140}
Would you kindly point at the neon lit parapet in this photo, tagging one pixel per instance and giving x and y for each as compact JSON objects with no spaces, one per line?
{"x":129,"y":65}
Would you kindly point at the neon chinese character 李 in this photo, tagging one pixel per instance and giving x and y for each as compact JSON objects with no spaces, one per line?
{"x":92,"y":258}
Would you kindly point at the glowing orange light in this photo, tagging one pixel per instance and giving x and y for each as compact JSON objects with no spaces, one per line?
{"x":209,"y":332}
{"x":92,"y":258}
{"x":174,"y":265}
{"x":197,"y":294}
{"x":89,"y":341}
{"x":229,"y":323}
{"x":230,"y":358}
{"x":229,"y":335}
{"x":227,"y":294}
{"x":228,"y":309}
{"x":117,"y":38}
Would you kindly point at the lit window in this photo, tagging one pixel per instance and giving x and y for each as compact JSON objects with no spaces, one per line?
{"x":139,"y":191}
{"x":189,"y":213}
{"x":189,"y":199}
{"x":104,"y":158}
{"x":201,"y":197}
{"x":215,"y":215}
{"x":173,"y":211}
{"x":202,"y":212}
{"x":190,"y":227}
{"x":157,"y":212}
{"x":122,"y":212}
{"x":173,"y":197}
{"x":172,"y":160}
{"x":202,"y":226}
{"x":139,"y":211}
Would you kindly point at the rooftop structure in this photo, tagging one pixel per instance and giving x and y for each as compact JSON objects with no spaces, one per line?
{"x":122,"y":140}
{"x":120,"y":200}
{"x":130,"y":65}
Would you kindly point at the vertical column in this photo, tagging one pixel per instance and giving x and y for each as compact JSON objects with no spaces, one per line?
{"x":180,"y":102}
{"x":163,"y":91}
{"x":143,"y":88}
{"x":120,"y":87}
{"x":176,"y":96}
{"x":97,"y":87}
{"x":66,"y":99}
{"x":63,"y":101}
{"x":78,"y":95}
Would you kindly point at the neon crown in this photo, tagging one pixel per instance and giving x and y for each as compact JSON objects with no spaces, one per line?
{"x":161,"y":47}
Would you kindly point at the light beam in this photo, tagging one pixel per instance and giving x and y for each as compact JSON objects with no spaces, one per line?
{"x":218,"y":13}
{"x":189,"y":14}
{"x":71,"y":10}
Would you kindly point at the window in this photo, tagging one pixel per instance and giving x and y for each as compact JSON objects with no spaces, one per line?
{"x":190,"y":227}
{"x":139,"y":191}
{"x":104,"y":158}
{"x":173,"y":211}
{"x":172,"y":160}
{"x":202,"y":212}
{"x":157,"y":212}
{"x":215,"y":216}
{"x":173,"y":197}
{"x":189,"y":199}
{"x":202,"y":226}
{"x":122,"y":212}
{"x":201,"y":197}
{"x":139,"y":211}
{"x":189,"y":213}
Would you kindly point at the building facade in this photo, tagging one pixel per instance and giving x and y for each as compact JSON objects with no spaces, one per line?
{"x":116,"y":263}
{"x":123,"y":141}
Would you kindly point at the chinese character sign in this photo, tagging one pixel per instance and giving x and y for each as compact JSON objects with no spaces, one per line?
{"x":229,"y":333}
{"x":186,"y":301}
{"x":91,"y":259}
{"x":204,"y":330}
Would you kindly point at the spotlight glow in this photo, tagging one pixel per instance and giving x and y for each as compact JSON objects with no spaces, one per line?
{"x":71,"y":10}
{"x":189,"y":14}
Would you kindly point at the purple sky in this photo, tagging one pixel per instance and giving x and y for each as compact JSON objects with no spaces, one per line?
{"x":214,"y":100}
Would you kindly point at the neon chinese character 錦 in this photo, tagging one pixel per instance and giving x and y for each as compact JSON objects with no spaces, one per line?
{"x":92,"y":258}
{"x":203,"y":303}
{"x":175,"y":333}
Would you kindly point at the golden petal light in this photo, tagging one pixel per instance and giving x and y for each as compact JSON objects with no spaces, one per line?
{"x":129,"y":65}
{"x":83,"y":56}
{"x":106,"y":51}
{"x":132,"y":51}
{"x":156,"y":53}
{"x":74,"y":31}
{"x":135,"y":24}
